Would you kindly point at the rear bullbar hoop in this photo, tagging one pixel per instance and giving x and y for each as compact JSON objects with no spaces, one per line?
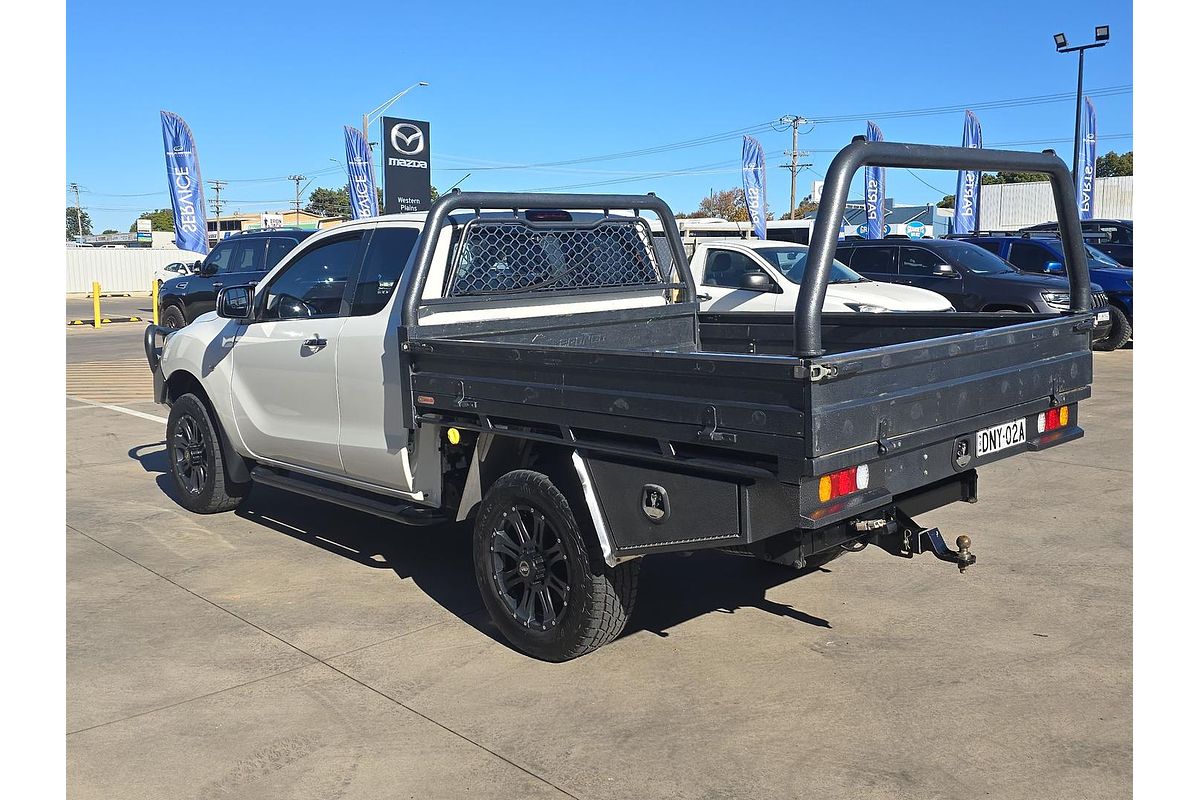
{"x":861,"y":153}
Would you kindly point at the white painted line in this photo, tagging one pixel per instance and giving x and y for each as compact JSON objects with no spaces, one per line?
{"x":123,"y":410}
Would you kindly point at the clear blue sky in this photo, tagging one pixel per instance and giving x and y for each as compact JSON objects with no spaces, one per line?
{"x":266,"y":89}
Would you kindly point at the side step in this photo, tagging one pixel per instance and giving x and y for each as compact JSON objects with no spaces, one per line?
{"x":379,"y":505}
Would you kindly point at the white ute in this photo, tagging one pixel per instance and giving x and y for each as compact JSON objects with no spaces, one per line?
{"x":765,"y":276}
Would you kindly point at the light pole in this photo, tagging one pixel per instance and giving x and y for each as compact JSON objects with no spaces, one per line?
{"x":1060,"y":44}
{"x":370,"y":116}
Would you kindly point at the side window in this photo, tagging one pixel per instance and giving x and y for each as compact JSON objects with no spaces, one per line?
{"x":991,"y":247}
{"x":844,"y":254}
{"x":877,"y":260}
{"x":918,"y":261}
{"x":1028,"y":257}
{"x":249,"y":256}
{"x":277,"y":248}
{"x":1115,"y":235}
{"x":314,"y":284}
{"x":387,"y":254}
{"x":219,"y":258}
{"x":726,"y":268}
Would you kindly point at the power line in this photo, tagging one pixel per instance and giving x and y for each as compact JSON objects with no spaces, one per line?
{"x":795,"y":121}
{"x":1015,"y":102}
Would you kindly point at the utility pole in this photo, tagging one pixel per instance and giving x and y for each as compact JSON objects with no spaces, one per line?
{"x":297,"y":179}
{"x":216,"y":204}
{"x":78,"y":212}
{"x":795,"y":153}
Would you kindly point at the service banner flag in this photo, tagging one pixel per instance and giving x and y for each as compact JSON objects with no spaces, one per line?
{"x":875,"y":190}
{"x":966,"y":198}
{"x":187,"y":188}
{"x":1087,"y":162}
{"x":754,"y":184}
{"x":364,"y":201}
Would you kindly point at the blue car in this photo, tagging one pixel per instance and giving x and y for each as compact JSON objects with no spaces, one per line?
{"x":1033,"y":253}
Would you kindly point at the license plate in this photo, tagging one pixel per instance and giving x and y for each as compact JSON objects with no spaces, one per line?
{"x":999,"y":437}
{"x":1102,"y":316}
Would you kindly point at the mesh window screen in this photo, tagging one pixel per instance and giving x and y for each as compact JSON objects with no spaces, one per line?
{"x":510,"y":257}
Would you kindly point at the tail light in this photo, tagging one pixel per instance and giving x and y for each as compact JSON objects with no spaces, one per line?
{"x":1053,"y":419}
{"x":843,"y":482}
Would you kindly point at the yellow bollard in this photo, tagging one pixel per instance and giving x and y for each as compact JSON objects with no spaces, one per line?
{"x":154,"y":299}
{"x":96,"y":304}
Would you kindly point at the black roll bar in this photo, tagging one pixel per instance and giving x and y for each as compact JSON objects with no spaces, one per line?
{"x":861,"y":153}
{"x":514,"y":201}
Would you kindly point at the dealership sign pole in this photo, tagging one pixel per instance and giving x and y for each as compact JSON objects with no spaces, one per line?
{"x":1086,"y":169}
{"x":754,"y":184}
{"x":966,"y":198}
{"x":187,"y":189}
{"x":364,"y":202}
{"x":406,"y":181}
{"x":874,"y":191}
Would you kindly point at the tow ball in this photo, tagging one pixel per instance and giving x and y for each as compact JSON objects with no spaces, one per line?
{"x":933,"y":538}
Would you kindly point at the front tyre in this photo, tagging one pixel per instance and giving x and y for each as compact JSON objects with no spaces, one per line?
{"x":548,"y":596}
{"x":202,"y":484}
{"x":172,"y":317}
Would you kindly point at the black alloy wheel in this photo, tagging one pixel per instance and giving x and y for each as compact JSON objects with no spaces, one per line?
{"x":198,"y":463}
{"x":530,"y":569}
{"x":190,"y":454}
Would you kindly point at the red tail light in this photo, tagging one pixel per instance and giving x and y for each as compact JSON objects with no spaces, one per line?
{"x":843,"y":482}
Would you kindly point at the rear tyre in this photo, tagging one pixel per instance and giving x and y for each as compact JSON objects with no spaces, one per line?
{"x":172,"y":317}
{"x":1120,"y":333}
{"x":202,"y":484}
{"x":549,"y":596}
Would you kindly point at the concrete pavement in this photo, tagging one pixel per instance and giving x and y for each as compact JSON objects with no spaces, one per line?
{"x":294,"y":649}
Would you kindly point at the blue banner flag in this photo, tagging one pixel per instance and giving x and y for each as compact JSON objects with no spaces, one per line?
{"x":875,"y":190}
{"x":966,"y":198}
{"x":364,"y":201}
{"x":187,"y":189}
{"x":1087,"y":162}
{"x":754,"y":184}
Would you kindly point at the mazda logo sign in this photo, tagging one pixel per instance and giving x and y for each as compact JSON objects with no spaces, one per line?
{"x":407,"y":139}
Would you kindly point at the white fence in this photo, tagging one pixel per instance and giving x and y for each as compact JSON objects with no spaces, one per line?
{"x":1008,"y":206}
{"x":118,"y":269}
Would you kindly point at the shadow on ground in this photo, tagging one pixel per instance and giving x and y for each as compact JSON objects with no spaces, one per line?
{"x":673,"y":589}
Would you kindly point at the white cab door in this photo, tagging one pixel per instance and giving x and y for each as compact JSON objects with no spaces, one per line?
{"x":721,"y":282}
{"x":285,"y":397}
{"x":373,"y":442}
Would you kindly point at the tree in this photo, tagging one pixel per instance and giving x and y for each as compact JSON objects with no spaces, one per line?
{"x":1111,"y":165}
{"x":807,"y":206}
{"x":108,"y":231}
{"x":729,"y":204}
{"x":329,"y":202}
{"x":162,"y":219}
{"x":73,"y":222}
{"x":946,"y":202}
{"x":1014,"y":177}
{"x":336,"y":202}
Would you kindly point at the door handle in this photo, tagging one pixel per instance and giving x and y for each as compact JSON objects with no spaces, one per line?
{"x":315,"y":343}
{"x":704,"y":298}
{"x":217,"y":284}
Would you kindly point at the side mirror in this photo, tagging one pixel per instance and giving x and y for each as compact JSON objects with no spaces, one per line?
{"x":1055,"y":268}
{"x":235,"y":302}
{"x":194,"y":267}
{"x":758,"y":282}
{"x":945,"y":271}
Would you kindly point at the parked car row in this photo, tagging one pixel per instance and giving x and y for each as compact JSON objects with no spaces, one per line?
{"x":1013,"y":273}
{"x":240,"y":259}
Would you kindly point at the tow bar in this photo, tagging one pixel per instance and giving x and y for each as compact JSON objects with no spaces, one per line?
{"x":905,"y":538}
{"x":931,"y":539}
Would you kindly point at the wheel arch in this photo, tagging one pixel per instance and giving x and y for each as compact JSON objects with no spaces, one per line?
{"x":494,"y":456}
